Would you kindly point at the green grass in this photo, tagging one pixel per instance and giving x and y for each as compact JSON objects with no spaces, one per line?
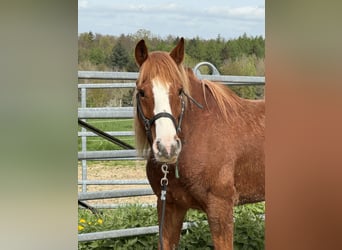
{"x":112,"y":124}
{"x":108,"y":125}
{"x":249,"y":228}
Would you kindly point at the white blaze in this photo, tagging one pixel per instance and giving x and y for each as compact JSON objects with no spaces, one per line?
{"x":165,"y":129}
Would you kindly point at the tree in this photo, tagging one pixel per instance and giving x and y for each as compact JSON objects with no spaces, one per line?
{"x":97,"y":52}
{"x":119,"y":57}
{"x":213,"y":52}
{"x":244,"y":66}
{"x":142,"y":34}
{"x":196,"y":49}
{"x":97,"y":56}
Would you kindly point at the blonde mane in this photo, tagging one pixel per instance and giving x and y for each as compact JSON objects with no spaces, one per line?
{"x":226,"y":100}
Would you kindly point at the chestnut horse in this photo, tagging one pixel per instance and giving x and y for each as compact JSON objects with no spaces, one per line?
{"x":214,"y":152}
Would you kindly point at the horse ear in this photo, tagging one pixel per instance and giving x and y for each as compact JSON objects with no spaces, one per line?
{"x":178,"y":52}
{"x":141,"y":52}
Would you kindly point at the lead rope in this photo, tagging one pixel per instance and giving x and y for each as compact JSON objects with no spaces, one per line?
{"x":163,"y":182}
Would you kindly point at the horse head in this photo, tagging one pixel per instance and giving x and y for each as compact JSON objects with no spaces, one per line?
{"x":159,"y":99}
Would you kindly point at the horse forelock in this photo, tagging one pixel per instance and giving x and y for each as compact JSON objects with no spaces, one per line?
{"x":160,"y":65}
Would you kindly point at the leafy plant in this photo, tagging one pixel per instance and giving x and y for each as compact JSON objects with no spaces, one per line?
{"x":248,"y":229}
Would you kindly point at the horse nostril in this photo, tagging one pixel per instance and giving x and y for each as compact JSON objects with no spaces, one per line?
{"x":179,"y":143}
{"x":176,"y":147}
{"x":159,"y":146}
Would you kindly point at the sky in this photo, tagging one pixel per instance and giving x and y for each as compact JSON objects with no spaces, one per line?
{"x":188,"y":18}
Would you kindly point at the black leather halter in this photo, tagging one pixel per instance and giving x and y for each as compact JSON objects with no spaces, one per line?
{"x":149,"y":122}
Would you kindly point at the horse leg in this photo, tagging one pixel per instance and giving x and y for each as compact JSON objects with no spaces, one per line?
{"x":220,"y":218}
{"x":173,"y":221}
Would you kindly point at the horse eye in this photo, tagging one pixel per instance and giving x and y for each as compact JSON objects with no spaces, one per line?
{"x":180,"y":91}
{"x":141,"y":92}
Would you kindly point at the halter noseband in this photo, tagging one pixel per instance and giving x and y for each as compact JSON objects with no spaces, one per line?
{"x":149,"y":122}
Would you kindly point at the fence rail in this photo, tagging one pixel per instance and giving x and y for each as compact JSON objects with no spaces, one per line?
{"x":114,"y":182}
{"x":125,"y":232}
{"x":115,"y":194}
{"x":116,"y":113}
{"x":124,"y":154}
{"x":225,"y":79}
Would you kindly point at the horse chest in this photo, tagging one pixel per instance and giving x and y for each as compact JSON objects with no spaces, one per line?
{"x":178,"y":191}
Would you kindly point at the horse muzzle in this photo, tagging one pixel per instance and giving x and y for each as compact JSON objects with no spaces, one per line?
{"x":167,"y":151}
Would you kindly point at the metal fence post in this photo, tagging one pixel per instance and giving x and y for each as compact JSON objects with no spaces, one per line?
{"x":84,"y":141}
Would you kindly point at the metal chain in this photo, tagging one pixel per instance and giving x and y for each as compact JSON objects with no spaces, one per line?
{"x":164,"y":180}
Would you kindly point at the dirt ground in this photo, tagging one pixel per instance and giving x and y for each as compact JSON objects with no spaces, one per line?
{"x":109,"y":170}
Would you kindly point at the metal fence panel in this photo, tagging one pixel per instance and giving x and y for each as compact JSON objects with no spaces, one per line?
{"x":118,"y":113}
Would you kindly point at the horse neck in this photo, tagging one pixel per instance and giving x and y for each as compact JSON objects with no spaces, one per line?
{"x":224,"y":107}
